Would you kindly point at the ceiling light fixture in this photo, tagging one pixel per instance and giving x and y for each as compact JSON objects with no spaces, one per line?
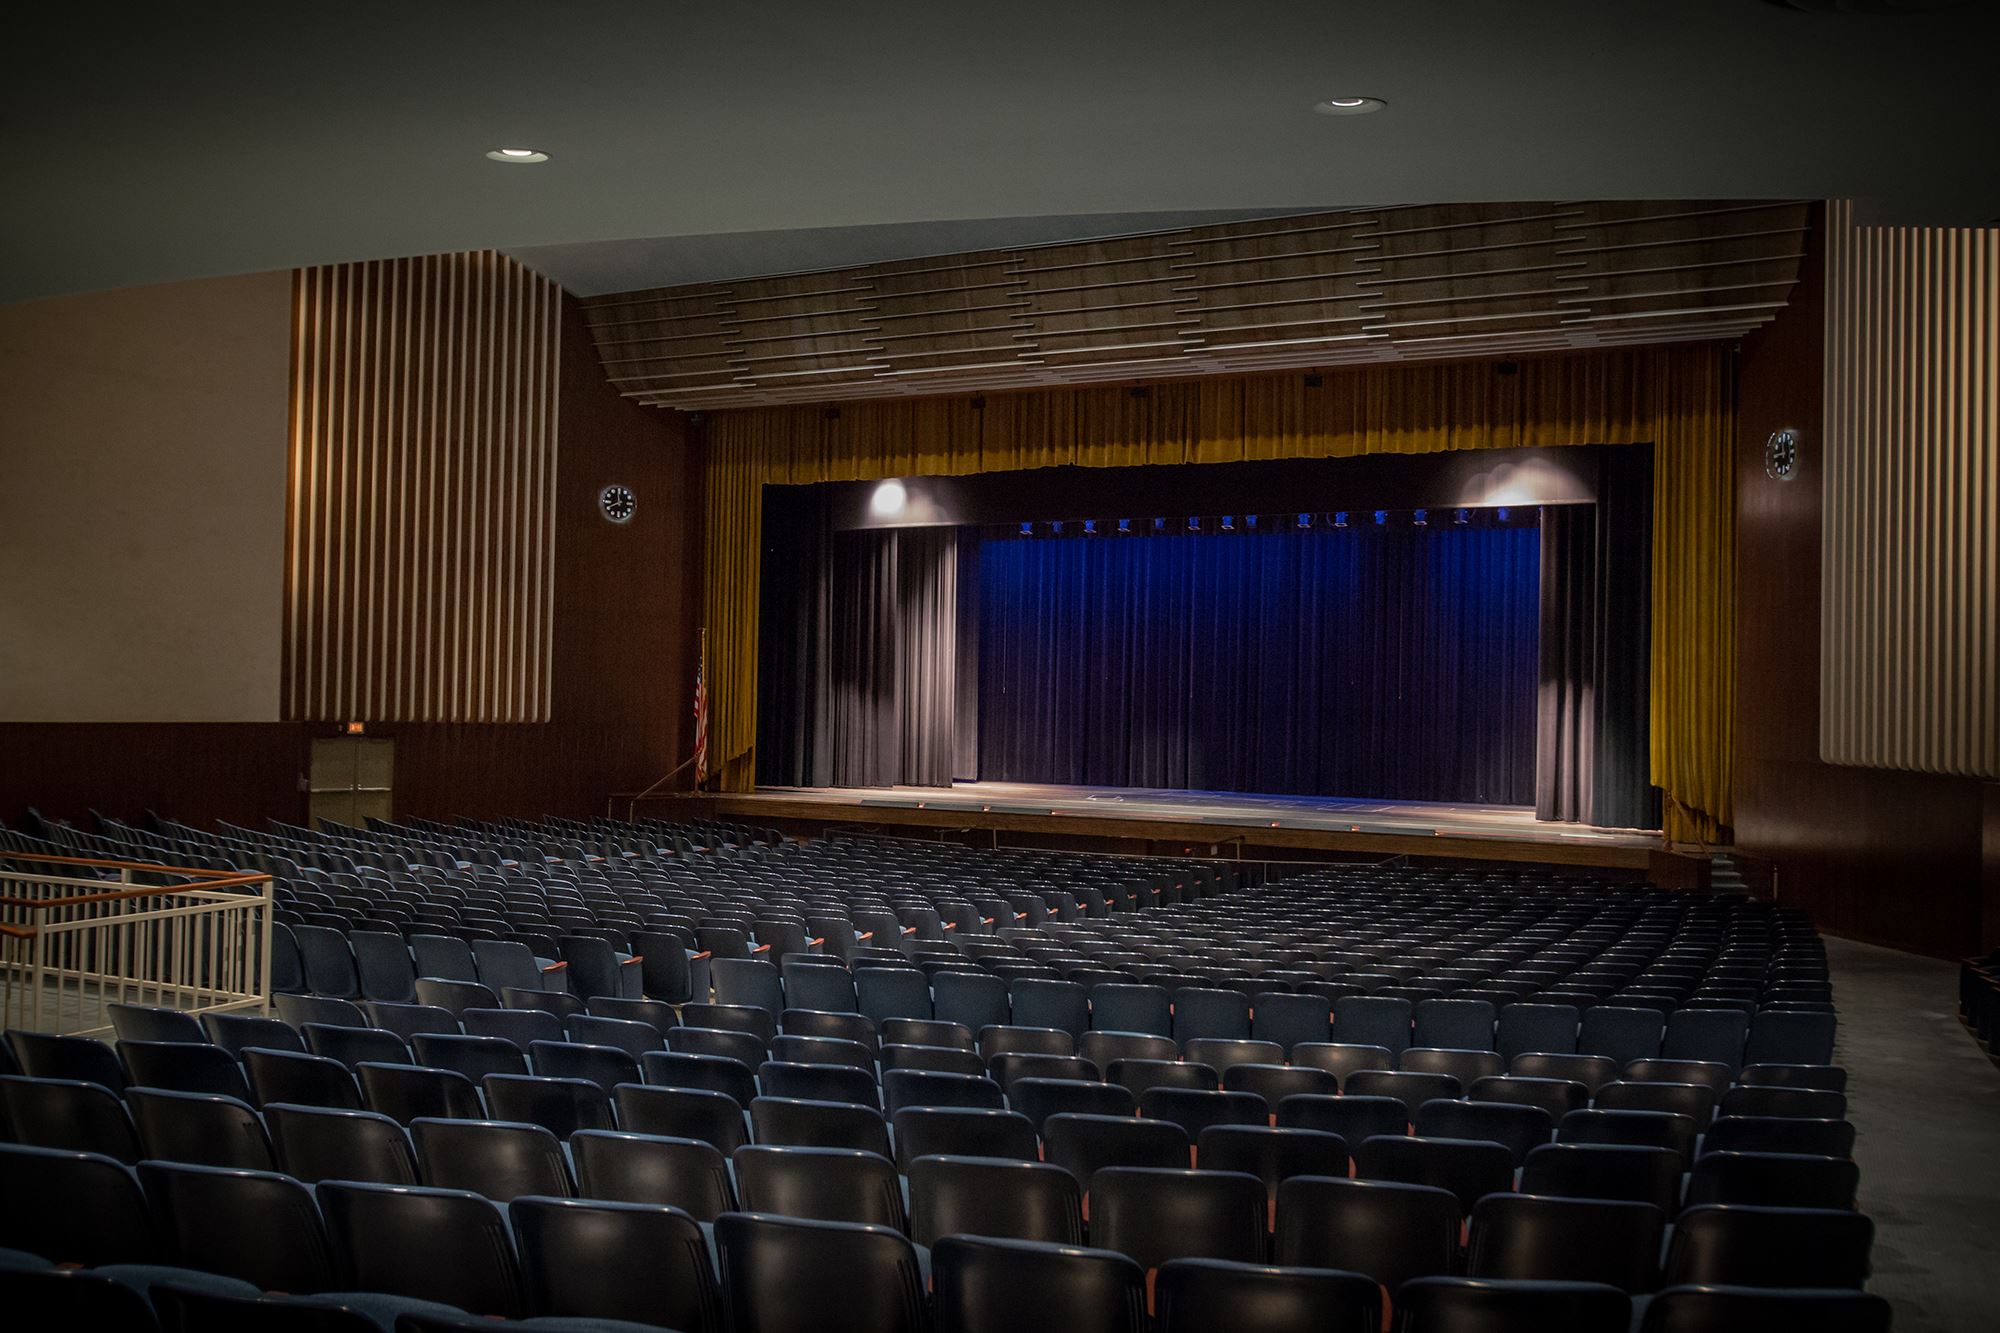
{"x":519,"y":156}
{"x":1349,"y":106}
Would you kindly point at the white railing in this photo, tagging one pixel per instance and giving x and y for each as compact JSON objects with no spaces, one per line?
{"x":157,"y":935}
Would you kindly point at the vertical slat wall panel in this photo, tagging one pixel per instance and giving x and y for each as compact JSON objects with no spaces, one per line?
{"x":1910,"y":638}
{"x":419,"y":581}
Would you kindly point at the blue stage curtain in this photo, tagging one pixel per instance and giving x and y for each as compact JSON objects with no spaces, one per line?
{"x":1393,"y":662}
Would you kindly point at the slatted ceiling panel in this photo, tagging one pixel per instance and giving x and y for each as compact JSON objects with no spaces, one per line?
{"x":420,"y":526}
{"x":1328,"y":289}
{"x":1910,"y":581}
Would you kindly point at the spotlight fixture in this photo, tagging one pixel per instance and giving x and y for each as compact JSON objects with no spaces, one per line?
{"x":1381,"y":517}
{"x":1090,"y":527}
{"x":889,"y":498}
{"x":519,"y":157}
{"x":1194,"y":525}
{"x":1228,"y":523}
{"x":1159,"y":525}
{"x":1462,"y":517}
{"x":1027,"y":529}
{"x":1056,"y":527}
{"x":1502,"y":514}
{"x":1250,"y":522}
{"x":1422,"y":518}
{"x":1305,"y":521}
{"x":1349,"y":106}
{"x":1340,"y":518}
{"x":1125,"y":526}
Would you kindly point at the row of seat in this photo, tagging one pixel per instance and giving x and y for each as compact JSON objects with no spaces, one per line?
{"x":451,"y":1244}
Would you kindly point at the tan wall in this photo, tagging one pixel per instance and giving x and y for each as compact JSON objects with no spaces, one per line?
{"x":142,"y":503}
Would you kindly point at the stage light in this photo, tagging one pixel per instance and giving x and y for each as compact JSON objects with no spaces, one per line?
{"x":518,"y":156}
{"x":1228,"y":523}
{"x":1250,"y":521}
{"x":1056,"y":527}
{"x":1027,"y":529}
{"x":1194,"y":525}
{"x":889,"y":498}
{"x":1305,"y":521}
{"x":1340,"y":518}
{"x":1381,"y":517}
{"x":1503,"y":513}
{"x":1462,"y":517}
{"x":1159,"y":525}
{"x":1422,"y":518}
{"x":1125,"y":525}
{"x":1090,"y":527}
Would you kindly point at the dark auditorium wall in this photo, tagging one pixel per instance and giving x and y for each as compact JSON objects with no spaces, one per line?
{"x":626,"y":599}
{"x":1889,"y":857}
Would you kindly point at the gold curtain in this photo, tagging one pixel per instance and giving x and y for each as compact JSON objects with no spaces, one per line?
{"x":1679,"y":399}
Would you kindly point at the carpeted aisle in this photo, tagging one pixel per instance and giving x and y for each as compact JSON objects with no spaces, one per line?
{"x":1925,"y":1101}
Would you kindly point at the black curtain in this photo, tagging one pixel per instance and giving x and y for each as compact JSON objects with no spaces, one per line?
{"x":1592,"y":711}
{"x":1395,"y":662}
{"x":858,"y":682}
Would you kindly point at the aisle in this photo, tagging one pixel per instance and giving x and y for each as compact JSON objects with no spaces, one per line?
{"x":1925,"y":1102}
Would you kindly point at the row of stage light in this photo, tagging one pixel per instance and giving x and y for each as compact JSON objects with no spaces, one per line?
{"x":1503,"y":516}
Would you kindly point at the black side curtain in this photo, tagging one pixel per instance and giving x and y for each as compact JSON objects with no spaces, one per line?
{"x":1392,"y":662}
{"x":1592,"y":720}
{"x":859,"y":683}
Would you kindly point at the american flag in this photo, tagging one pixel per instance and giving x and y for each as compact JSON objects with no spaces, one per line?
{"x":701,"y":713}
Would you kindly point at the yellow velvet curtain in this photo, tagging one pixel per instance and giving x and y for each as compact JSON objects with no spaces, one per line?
{"x":1679,"y":399}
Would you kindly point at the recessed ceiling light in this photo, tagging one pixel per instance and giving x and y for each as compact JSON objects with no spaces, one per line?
{"x":1349,"y":106}
{"x":520,"y":155}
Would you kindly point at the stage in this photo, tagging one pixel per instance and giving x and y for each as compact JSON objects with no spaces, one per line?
{"x":1231,"y":824}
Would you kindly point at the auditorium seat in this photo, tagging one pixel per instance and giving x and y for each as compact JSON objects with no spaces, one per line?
{"x":87,"y":1208}
{"x":1468,"y":1067}
{"x":1649,"y":1129}
{"x":317,"y":1143}
{"x":403,"y":1092}
{"x":332,"y":1010}
{"x":1557,"y":1096}
{"x":712,"y":1073}
{"x":258,"y":1226}
{"x":1084,"y":1144}
{"x":1773,"y":1179}
{"x":1342,"y":1059}
{"x":1566,"y":1240}
{"x":979,"y":1196}
{"x":1523,"y":1029}
{"x":1389,"y":1231}
{"x":383,"y":966}
{"x":200,"y":1129}
{"x":654,"y":1013}
{"x":351,"y":1045}
{"x":1195,"y":1110}
{"x":1469,"y":1168}
{"x":562,"y":1106}
{"x":1368,"y":1020}
{"x":1011,"y":1286}
{"x":178,"y":1066}
{"x":498,"y":1160}
{"x":1605,"y":1171}
{"x":974,"y":1000}
{"x":456,"y":996}
{"x":1200,"y":1295}
{"x":78,"y":1059}
{"x":1140,"y":1076}
{"x":794,"y":1275}
{"x":1725,"y":1309}
{"x":926,"y":1032}
{"x":889,"y":994}
{"x":1520,"y":1129}
{"x":905,"y":1088}
{"x":640,"y":1263}
{"x":1480,"y":1305}
{"x":1827,"y":1078}
{"x":1410,"y":1088}
{"x":1592,"y":1071}
{"x":825,"y":1184}
{"x":939,"y":1059}
{"x":1272,"y":1155}
{"x":1131,"y":1009}
{"x":522,"y":1027}
{"x":794,"y":1123}
{"x":1712,"y":1035}
{"x":470,"y":1055}
{"x":237,"y":1032}
{"x":1621,"y":1035}
{"x":68,"y":1114}
{"x":1353,"y":1117}
{"x":1750,"y":1133}
{"x":1790,"y":1038}
{"x":715,"y":1118}
{"x":431,"y":1244}
{"x":1275,"y":1082}
{"x":746,"y":1048}
{"x":1214,"y":1014}
{"x":1802,"y":1103}
{"x":1706,"y":1073}
{"x":1291,"y":1020}
{"x":653,"y":1169}
{"x":1040,"y":1098}
{"x":1742,"y":1245}
{"x":823,"y":1083}
{"x":153,"y":1023}
{"x":1152,"y":1215}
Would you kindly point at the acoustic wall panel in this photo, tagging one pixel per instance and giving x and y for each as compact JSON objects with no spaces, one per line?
{"x":1372,"y":285}
{"x":421,"y":527}
{"x":1910,"y":629}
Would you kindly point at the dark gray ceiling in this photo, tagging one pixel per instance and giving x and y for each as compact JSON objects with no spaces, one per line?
{"x":150,"y":142}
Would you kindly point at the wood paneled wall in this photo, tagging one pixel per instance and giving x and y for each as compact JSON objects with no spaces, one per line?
{"x":1368,"y":285}
{"x":1885,"y":856}
{"x":420,"y":529}
{"x":1910,"y":637}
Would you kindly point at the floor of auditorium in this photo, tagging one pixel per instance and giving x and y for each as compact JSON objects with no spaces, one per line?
{"x":1925,"y":1101}
{"x":1513,"y":822}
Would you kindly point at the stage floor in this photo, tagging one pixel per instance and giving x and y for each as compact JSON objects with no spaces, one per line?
{"x":1511,"y":823}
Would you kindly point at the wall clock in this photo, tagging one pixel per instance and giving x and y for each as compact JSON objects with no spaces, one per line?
{"x":1781,"y":455}
{"x":617,"y":502}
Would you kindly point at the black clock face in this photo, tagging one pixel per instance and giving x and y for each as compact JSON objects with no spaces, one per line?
{"x":617,"y":502}
{"x":1781,"y":454}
